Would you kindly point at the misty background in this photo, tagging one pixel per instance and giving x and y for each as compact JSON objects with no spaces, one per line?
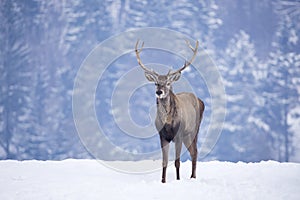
{"x":255,"y":45}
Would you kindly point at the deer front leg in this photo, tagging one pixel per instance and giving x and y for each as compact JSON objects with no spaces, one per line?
{"x":165,"y":155}
{"x":178,"y":146}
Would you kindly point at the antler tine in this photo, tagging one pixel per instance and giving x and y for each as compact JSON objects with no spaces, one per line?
{"x":187,"y":63}
{"x":137,"y":52}
{"x":191,"y":47}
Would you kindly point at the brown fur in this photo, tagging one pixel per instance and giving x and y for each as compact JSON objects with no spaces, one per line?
{"x":178,"y":119}
{"x":178,"y":116}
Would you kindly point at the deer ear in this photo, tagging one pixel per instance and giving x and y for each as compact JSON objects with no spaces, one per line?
{"x":151,"y":77}
{"x":174,"y":77}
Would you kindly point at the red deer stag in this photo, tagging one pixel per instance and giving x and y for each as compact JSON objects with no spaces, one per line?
{"x":178,"y":116}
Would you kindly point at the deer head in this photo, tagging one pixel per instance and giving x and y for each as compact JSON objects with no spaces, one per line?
{"x":163,"y":83}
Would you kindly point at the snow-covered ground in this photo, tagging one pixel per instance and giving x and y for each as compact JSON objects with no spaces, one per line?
{"x":88,"y":179}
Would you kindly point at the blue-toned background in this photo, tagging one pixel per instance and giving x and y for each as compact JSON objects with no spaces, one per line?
{"x":255,"y":45}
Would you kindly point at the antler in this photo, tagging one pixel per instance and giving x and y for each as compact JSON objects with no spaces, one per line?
{"x":187,"y":63}
{"x":137,"y":52}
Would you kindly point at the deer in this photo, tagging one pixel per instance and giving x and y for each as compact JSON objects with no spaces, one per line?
{"x":178,"y":116}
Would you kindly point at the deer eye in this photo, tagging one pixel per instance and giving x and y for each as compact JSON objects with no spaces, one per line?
{"x":156,"y":84}
{"x":168,"y":84}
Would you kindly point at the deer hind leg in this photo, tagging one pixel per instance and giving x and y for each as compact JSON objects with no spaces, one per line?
{"x":194,"y":153}
{"x":178,"y":146}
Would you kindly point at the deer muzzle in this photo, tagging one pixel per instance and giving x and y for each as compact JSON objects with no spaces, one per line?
{"x":160,"y":94}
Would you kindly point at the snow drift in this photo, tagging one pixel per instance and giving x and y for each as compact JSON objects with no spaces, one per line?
{"x":88,"y":179}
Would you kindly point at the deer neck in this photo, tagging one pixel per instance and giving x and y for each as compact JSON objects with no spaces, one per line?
{"x":166,"y":108}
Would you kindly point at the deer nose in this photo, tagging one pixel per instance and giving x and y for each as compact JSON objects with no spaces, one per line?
{"x":158,"y":92}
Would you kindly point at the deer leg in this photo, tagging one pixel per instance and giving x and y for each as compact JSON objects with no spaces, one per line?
{"x":178,"y":146}
{"x":165,"y":155}
{"x":194,"y":153}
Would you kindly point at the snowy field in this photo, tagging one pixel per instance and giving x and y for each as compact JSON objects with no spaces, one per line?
{"x":88,"y":179}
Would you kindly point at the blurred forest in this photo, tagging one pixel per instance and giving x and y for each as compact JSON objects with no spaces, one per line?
{"x":255,"y":45}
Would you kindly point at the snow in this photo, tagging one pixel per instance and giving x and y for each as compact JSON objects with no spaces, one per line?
{"x":88,"y":179}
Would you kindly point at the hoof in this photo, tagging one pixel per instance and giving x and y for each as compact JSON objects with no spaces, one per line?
{"x":193,"y":176}
{"x":163,"y":180}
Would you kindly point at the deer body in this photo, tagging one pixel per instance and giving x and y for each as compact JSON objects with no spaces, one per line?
{"x":178,"y":116}
{"x":178,"y":120}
